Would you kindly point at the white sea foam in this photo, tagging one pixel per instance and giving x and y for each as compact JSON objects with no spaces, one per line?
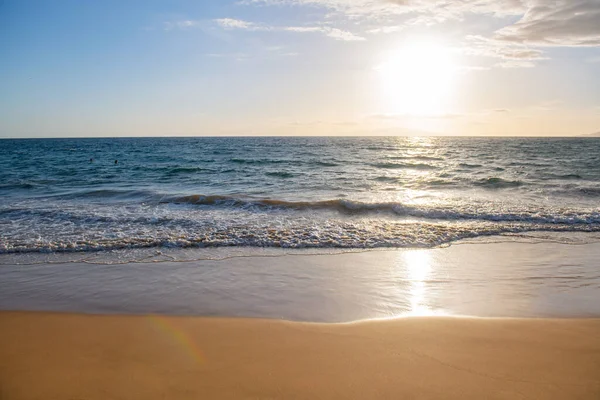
{"x":319,"y":193}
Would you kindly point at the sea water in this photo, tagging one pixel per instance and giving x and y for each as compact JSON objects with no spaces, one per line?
{"x":100,"y":195}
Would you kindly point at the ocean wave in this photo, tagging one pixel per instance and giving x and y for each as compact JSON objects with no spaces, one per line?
{"x":17,"y":186}
{"x":529,"y":164}
{"x":261,"y":161}
{"x":325,"y":163}
{"x":497,"y":183}
{"x":398,"y":209}
{"x":280,"y":174}
{"x":387,"y":178}
{"x":418,"y":158}
{"x":589,"y":191}
{"x":387,"y":165}
{"x":262,"y":210}
{"x":439,"y":182}
{"x":466,"y":211}
{"x":381,"y":148}
{"x":467,"y":165}
{"x":189,"y":170}
{"x":340,"y":236}
{"x":107,"y":194}
{"x":284,"y":192}
{"x":563,"y":176}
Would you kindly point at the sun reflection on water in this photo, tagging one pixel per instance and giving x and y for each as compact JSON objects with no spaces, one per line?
{"x":418,"y":264}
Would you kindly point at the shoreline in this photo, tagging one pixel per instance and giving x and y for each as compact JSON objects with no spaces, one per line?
{"x":300,"y":322}
{"x":508,"y":279}
{"x":172,"y":254}
{"x":66,"y":355}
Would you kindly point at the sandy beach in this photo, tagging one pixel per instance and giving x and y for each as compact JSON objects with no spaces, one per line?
{"x":300,"y":199}
{"x":76,"y":356}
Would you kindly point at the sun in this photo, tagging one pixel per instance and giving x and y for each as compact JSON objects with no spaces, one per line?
{"x":418,"y":78}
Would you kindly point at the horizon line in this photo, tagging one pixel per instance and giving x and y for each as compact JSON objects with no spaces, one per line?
{"x":589,"y":136}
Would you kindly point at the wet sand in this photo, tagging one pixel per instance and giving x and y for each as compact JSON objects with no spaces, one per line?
{"x":75,"y":356}
{"x":518,"y":280}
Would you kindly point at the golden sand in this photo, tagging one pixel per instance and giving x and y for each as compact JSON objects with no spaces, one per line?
{"x":76,"y":357}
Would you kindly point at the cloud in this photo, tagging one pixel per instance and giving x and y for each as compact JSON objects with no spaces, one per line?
{"x":401,"y":117}
{"x":473,"y":68}
{"x":541,"y":23}
{"x":515,"y":64}
{"x":556,"y":23}
{"x":334,"y":33}
{"x":230,"y":23}
{"x":511,"y":55}
{"x":386,"y":29}
{"x":440,"y":10}
{"x":236,"y":56}
{"x":185,"y":24}
{"x":280,"y":51}
{"x":534,"y":25}
{"x":261,"y":51}
{"x":302,"y":29}
{"x":485,"y":113}
{"x":339,"y":34}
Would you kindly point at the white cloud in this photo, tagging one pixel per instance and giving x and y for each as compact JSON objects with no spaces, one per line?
{"x":230,"y":23}
{"x":235,"y":56}
{"x":386,"y":29}
{"x":185,"y":24}
{"x":399,"y":117}
{"x":440,"y":9}
{"x":515,"y":64}
{"x":280,"y":51}
{"x":334,"y":33}
{"x":482,"y":46}
{"x":512,"y":55}
{"x":302,"y":29}
{"x":473,"y":68}
{"x":541,"y":23}
{"x":238,"y":24}
{"x":556,"y":23}
{"x":339,"y":34}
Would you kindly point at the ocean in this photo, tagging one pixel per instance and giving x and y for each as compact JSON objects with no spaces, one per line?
{"x":310,"y":229}
{"x":69,"y":195}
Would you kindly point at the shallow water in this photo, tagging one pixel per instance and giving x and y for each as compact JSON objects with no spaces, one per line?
{"x":322,"y":193}
{"x":485,"y":280}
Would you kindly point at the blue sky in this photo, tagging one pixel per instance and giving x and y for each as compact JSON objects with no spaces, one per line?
{"x":298,"y":67}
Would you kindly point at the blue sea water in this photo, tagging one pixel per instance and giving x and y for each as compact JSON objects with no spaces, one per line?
{"x":68,"y":195}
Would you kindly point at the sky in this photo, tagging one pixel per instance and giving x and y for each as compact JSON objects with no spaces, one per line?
{"x":299,"y":67}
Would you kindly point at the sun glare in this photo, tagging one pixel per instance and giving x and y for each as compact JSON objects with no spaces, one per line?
{"x":418,"y":79}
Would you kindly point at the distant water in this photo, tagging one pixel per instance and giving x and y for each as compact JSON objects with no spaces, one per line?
{"x":291,"y":192}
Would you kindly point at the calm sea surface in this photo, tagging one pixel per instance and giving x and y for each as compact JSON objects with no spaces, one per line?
{"x":68,"y":195}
